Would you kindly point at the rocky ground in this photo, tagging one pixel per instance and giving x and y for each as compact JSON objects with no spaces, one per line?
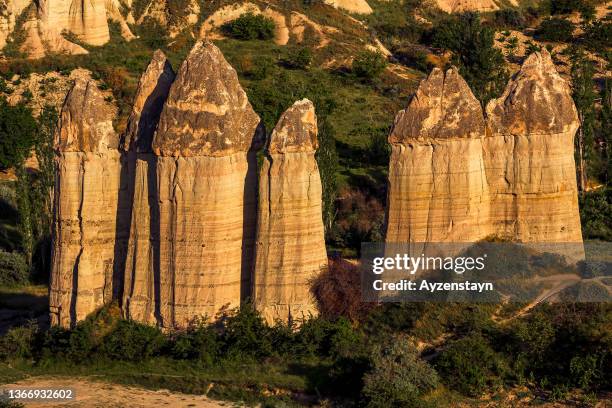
{"x":96,"y":394}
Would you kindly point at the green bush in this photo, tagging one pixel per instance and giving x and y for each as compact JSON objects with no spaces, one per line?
{"x":299,"y":58}
{"x":597,"y":35}
{"x":414,"y":57}
{"x":14,"y":269}
{"x":398,"y":376}
{"x":18,"y":342}
{"x":260,"y":68}
{"x":250,"y":27}
{"x":246,"y":335}
{"x":18,"y":130}
{"x":509,"y":18}
{"x":555,"y":29}
{"x":596,"y":214}
{"x":369,"y":64}
{"x":472,"y":44}
{"x":132,"y":341}
{"x":379,"y":149}
{"x":471,"y":366}
{"x":198,"y":342}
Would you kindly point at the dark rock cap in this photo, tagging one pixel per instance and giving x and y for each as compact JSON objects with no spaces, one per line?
{"x":207,"y":112}
{"x":536,"y":101}
{"x":442,"y":107}
{"x":153,"y":89}
{"x":296,"y":130}
{"x":86,"y":120}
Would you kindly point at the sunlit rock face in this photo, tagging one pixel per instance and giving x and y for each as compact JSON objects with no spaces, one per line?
{"x":84,"y":275}
{"x":437,"y":186}
{"x":207,"y":186}
{"x":529,"y":156}
{"x":457,"y":175}
{"x":290,"y":247}
{"x":141,"y":277}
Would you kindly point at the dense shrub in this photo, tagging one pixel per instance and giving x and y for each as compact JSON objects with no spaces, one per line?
{"x":259,"y":68}
{"x":132,"y":341}
{"x":509,"y":19}
{"x":338,"y":291}
{"x":564,"y":345}
{"x":18,"y":130}
{"x":398,"y":376}
{"x":250,"y":27}
{"x":414,"y":57}
{"x":596,"y":214}
{"x":597,"y":35}
{"x":360,"y":218}
{"x":75,"y":345}
{"x":14,"y":269}
{"x":246,"y":335}
{"x":555,"y":29}
{"x":369,"y":65}
{"x":18,"y":342}
{"x":198,"y":342}
{"x":471,"y":366}
{"x":480,"y":63}
{"x":299,"y":58}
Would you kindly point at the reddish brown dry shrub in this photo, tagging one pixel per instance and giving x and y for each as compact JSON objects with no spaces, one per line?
{"x":338,"y":291}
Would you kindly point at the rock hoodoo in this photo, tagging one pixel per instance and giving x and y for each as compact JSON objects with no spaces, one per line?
{"x":290,"y":246}
{"x":141,"y":266}
{"x":458,"y":176}
{"x":437,"y":189}
{"x":529,"y":157}
{"x":166,"y":220}
{"x":86,"y":196}
{"x":206,"y":174}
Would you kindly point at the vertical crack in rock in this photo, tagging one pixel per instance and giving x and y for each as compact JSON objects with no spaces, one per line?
{"x":529,"y":157}
{"x":140,"y":208}
{"x":207,"y":186}
{"x":437,"y":190}
{"x":290,"y":246}
{"x":87,"y":186}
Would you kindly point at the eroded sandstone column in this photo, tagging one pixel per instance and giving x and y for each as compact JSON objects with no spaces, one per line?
{"x":529,"y":157}
{"x":141,"y":278}
{"x":437,"y":186}
{"x":290,"y":246}
{"x":87,"y":20}
{"x":206,"y":173}
{"x":85,"y":210}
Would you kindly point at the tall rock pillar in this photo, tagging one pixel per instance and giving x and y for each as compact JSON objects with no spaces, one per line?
{"x":141,"y":278}
{"x":85,"y":211}
{"x":529,"y":156}
{"x":290,"y":246}
{"x":437,"y":187}
{"x":206,"y":175}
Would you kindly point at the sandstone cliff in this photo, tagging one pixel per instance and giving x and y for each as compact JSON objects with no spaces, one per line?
{"x":86,"y":196}
{"x":290,"y":246}
{"x":460,"y":6}
{"x":529,"y":158}
{"x":44,"y":23}
{"x":207,"y":188}
{"x":458,"y":176}
{"x":141,"y":277}
{"x":437,"y":187}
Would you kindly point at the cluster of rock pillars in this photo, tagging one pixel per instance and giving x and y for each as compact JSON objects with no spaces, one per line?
{"x":174,"y":219}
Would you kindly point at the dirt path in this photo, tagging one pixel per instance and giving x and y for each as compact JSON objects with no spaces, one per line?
{"x":93,"y":394}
